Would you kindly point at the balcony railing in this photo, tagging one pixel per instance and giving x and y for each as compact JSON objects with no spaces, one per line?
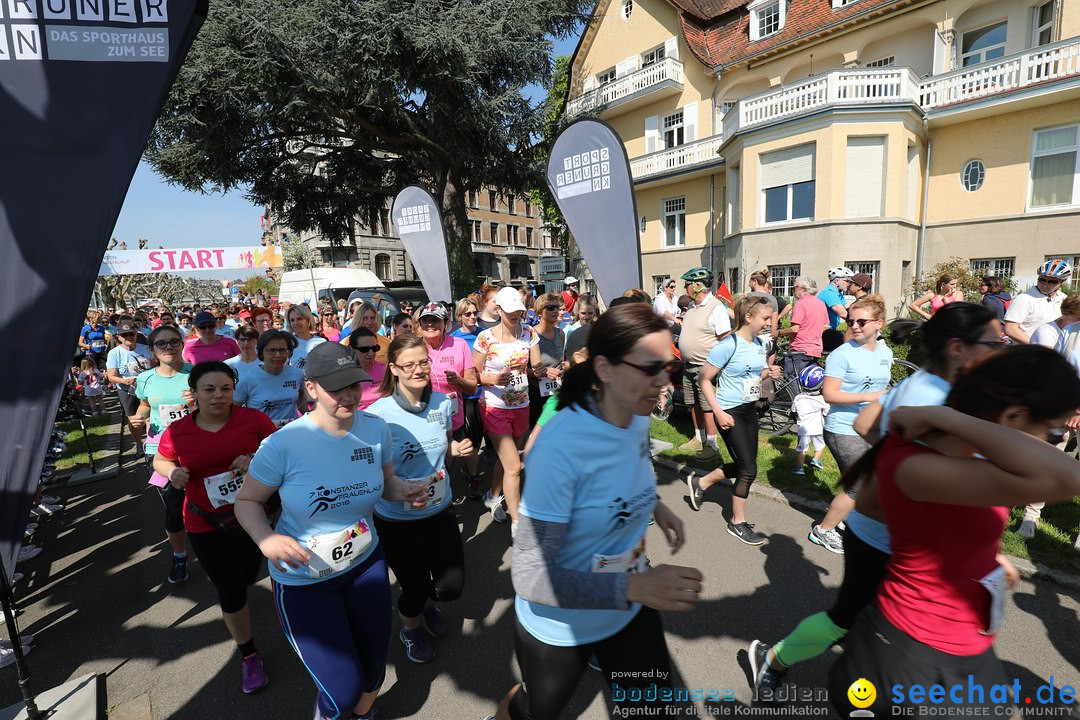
{"x":667,"y":71}
{"x":481,"y":247}
{"x":677,"y":158}
{"x":516,"y":250}
{"x":550,"y":252}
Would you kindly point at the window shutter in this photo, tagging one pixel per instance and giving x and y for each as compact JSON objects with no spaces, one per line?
{"x":913,"y":178}
{"x":652,"y":133}
{"x":690,"y":119}
{"x":786,"y":167}
{"x":941,"y":53}
{"x":627,"y":66}
{"x":671,"y":48}
{"x":590,"y":84}
{"x":865,"y":176}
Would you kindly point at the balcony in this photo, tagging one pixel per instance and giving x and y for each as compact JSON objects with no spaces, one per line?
{"x":646,"y":85}
{"x":516,"y":250}
{"x":550,"y":252}
{"x":481,"y":247}
{"x":679,"y":159}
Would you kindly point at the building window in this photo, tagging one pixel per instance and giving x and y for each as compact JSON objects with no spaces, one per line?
{"x":882,"y":62}
{"x":673,"y":130}
{"x":652,"y":56}
{"x":510,"y":205}
{"x":783,"y":277}
{"x":528,"y":237}
{"x":659,"y":281}
{"x":788,"y":184}
{"x":528,"y":207}
{"x":984,"y":44}
{"x":973,"y":174}
{"x":477,"y":231}
{"x":998,"y":267}
{"x":627,"y":9}
{"x":511,"y":235}
{"x":1044,"y":24}
{"x":767,"y":18}
{"x":1053,"y":167}
{"x":494,"y":233}
{"x":842,"y":3}
{"x":473,"y":199}
{"x":384,"y":219}
{"x":382,"y":266}
{"x":675,"y":222}
{"x":493,"y":201}
{"x":867,"y":268}
{"x":1073,"y":283}
{"x":608,"y":76}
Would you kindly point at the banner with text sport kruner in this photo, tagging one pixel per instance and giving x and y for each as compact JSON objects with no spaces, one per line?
{"x":419,"y":225}
{"x":589,"y":176}
{"x":81,"y":85}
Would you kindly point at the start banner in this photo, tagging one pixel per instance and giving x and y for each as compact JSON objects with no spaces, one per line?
{"x":134,"y":262}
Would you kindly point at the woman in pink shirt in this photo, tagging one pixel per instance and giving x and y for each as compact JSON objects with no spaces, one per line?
{"x":365,"y":347}
{"x":207,"y":344}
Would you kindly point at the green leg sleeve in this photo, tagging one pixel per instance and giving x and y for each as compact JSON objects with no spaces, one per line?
{"x":813,"y":636}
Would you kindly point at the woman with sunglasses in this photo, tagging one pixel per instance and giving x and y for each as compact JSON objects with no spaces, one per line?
{"x":1040,"y":304}
{"x":247,"y":339}
{"x":367,"y":316}
{"x":738,"y":363}
{"x":301,"y":324}
{"x":274,"y":386}
{"x":206,"y":344}
{"x":165,"y":397}
{"x":423,"y":545}
{"x":330,"y":329}
{"x":856,"y":374}
{"x":544,"y":378}
{"x":580,"y":573}
{"x":365,"y":348}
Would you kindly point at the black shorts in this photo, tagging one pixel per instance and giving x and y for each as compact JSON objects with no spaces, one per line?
{"x":129,"y":402}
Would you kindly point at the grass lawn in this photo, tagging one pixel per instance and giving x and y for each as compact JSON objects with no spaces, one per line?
{"x":1052,"y":544}
{"x":74,"y":455}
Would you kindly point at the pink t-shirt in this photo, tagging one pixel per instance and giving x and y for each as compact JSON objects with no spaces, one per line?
{"x":197,"y":351}
{"x":371,"y":389}
{"x":453,"y":355}
{"x":811,"y":315}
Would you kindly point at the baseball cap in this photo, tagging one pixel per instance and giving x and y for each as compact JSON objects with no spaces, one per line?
{"x":863,"y":280}
{"x":570,"y":280}
{"x":334,"y":367}
{"x":578,"y":340}
{"x":243,"y":314}
{"x":509,"y":300}
{"x":433,"y":310}
{"x":204,"y":317}
{"x":125,"y":327}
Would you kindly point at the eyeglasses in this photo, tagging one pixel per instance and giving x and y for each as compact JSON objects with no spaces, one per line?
{"x":411,"y":367}
{"x":366,"y":348}
{"x":207,"y":326}
{"x":275,"y":351}
{"x":168,"y":344}
{"x":861,"y":322}
{"x":551,"y":308}
{"x":654,"y":369}
{"x":469,"y":314}
{"x":1051,"y":281}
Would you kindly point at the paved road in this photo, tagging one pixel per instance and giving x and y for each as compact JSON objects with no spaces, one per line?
{"x":98,"y":601}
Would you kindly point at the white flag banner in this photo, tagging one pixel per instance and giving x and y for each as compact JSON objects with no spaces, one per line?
{"x":419,"y":225}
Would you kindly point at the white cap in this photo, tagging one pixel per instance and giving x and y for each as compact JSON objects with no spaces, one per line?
{"x":509,"y":300}
{"x":570,"y":280}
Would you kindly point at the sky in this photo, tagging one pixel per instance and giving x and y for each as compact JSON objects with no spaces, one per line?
{"x":171,"y":217}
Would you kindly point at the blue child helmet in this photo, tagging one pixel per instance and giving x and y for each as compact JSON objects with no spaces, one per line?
{"x":811,"y":377}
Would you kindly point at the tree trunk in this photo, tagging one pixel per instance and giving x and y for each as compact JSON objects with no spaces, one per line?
{"x":451,"y":196}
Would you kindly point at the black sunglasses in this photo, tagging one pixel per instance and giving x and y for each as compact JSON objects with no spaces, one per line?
{"x":655,"y":368}
{"x":366,"y":348}
{"x":551,"y":307}
{"x":861,"y":322}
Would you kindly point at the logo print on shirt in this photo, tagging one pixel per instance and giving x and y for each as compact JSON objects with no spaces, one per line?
{"x":290,"y":385}
{"x":435,"y":417}
{"x":323,"y":499}
{"x":364,"y":453}
{"x":868,"y":382}
{"x":622,"y":511}
{"x":409,"y":451}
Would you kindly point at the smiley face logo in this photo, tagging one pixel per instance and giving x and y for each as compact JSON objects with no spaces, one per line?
{"x":862,"y":693}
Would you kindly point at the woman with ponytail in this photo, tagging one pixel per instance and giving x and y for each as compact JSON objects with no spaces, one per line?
{"x":946,"y":478}
{"x":580,"y":572}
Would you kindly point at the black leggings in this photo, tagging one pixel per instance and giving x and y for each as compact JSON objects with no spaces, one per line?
{"x":550,"y":674}
{"x":864,"y":569}
{"x":172,"y":499}
{"x":231,"y":562}
{"x":427,"y":557}
{"x":742,"y":442}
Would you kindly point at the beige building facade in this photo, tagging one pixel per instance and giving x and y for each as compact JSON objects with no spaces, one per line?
{"x":800,"y":135}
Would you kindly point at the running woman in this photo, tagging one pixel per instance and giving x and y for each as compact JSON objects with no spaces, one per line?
{"x":502,"y":355}
{"x":205,"y":455}
{"x":956,"y":337}
{"x":123,"y":366}
{"x":365,"y":348}
{"x":273,"y":387}
{"x":164,"y":397}
{"x":327,"y":566}
{"x":739,"y":364}
{"x":946,"y":478}
{"x":247,"y":339}
{"x":206,"y":344}
{"x":856,"y":374}
{"x":301,"y":323}
{"x":580,"y":572}
{"x":423,"y":545}
{"x":544,"y":380}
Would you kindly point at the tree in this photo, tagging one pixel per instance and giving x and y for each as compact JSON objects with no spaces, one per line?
{"x":297,"y":255}
{"x":554,"y":121}
{"x":326,"y":108}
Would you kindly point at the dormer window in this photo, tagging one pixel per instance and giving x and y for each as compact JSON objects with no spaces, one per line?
{"x":842,"y":3}
{"x":767,"y":17}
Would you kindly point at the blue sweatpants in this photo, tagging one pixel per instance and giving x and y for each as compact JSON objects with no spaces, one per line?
{"x":340,"y":628}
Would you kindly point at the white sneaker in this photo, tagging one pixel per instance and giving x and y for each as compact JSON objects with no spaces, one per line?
{"x":44,"y":509}
{"x":495,"y":504}
{"x":7,"y":655}
{"x":28,"y":552}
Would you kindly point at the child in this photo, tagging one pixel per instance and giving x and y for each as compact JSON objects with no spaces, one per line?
{"x":811,"y":410}
{"x":90,"y":379}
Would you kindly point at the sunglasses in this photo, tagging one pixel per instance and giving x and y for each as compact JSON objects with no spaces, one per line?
{"x":655,"y":368}
{"x":469,"y":314}
{"x":551,"y":308}
{"x":207,"y":326}
{"x":861,"y":322}
{"x":366,"y":348}
{"x":168,"y":344}
{"x":1051,"y":281}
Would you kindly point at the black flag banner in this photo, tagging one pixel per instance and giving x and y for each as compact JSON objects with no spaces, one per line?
{"x":419,"y":224}
{"x":588,"y":174}
{"x":81,"y":85}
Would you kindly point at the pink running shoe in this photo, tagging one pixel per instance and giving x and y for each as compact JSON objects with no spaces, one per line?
{"x":254,"y":675}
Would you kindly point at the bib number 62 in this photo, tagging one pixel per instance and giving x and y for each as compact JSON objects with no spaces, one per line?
{"x":342,"y":551}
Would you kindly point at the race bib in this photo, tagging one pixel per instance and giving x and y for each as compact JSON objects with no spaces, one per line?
{"x":631,"y":561}
{"x":549,"y":386}
{"x":221,"y":489}
{"x":518,"y":381}
{"x":335,"y":551}
{"x":455,"y":403}
{"x":436,"y":490}
{"x":98,"y":345}
{"x":751,"y":389}
{"x":995,"y":584}
{"x":171,"y":413}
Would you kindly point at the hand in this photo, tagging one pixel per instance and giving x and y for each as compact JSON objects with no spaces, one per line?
{"x":129,"y":381}
{"x":1012,"y":575}
{"x":452,"y":377}
{"x":461,"y":448}
{"x":241,"y":463}
{"x":188,"y":396}
{"x":666,"y":587}
{"x":503,"y":378}
{"x":553,"y":373}
{"x":670,"y":524}
{"x":913,"y":422}
{"x":774,"y":372}
{"x":280,"y":549}
{"x":179,"y":477}
{"x":725,"y":421}
{"x":416,"y":494}
{"x":1074,"y":422}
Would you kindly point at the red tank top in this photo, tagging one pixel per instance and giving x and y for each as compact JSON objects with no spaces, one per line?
{"x":931,"y":589}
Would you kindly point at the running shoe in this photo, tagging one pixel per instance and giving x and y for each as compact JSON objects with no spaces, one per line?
{"x":815,"y":463}
{"x":744,"y":532}
{"x":694,"y":445}
{"x":798,"y":470}
{"x":707,"y":453}
{"x":50,"y":500}
{"x":417,"y":647}
{"x":696,"y":493}
{"x":45,"y":509}
{"x":7,"y":655}
{"x":474,"y":492}
{"x":254,"y":674}
{"x":828,"y":539}
{"x":766,"y":678}
{"x":433,"y":621}
{"x":494,"y":503}
{"x":178,"y":573}
{"x":28,"y":552}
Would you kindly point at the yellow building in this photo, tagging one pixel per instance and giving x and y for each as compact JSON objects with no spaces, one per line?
{"x":796,"y":134}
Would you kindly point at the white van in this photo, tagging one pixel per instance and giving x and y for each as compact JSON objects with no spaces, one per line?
{"x":309,"y":286}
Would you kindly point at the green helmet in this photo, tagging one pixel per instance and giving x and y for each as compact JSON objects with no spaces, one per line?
{"x":698,"y":274}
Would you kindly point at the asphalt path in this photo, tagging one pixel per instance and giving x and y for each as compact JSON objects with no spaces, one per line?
{"x":98,"y":601}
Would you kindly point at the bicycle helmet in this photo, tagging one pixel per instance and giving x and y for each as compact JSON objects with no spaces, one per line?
{"x":811,"y":377}
{"x":698,"y":274}
{"x":840,"y":272}
{"x":1056,"y":268}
